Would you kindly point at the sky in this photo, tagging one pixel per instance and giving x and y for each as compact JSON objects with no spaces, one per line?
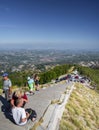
{"x":49,"y":24}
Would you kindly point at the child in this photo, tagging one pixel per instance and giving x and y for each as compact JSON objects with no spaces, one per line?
{"x":31,"y":85}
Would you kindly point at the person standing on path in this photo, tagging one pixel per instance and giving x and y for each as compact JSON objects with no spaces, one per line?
{"x":31,"y":85}
{"x":36,"y":80}
{"x":7,"y":86}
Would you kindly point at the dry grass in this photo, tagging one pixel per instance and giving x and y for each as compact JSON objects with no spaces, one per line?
{"x":37,"y":124}
{"x":1,"y":91}
{"x":82,"y":110}
{"x":55,"y":101}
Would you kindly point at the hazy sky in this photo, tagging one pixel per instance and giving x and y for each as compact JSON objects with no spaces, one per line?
{"x":57,"y":24}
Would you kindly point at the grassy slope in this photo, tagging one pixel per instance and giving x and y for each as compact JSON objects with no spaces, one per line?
{"x":82,"y":110}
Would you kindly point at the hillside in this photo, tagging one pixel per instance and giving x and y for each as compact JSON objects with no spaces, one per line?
{"x":81,"y":111}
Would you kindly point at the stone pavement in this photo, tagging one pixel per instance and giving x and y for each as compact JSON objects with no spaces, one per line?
{"x":38,"y":102}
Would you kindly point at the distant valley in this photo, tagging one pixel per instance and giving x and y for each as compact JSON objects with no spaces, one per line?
{"x":41,"y":60}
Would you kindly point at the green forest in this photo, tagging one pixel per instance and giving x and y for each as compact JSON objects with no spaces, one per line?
{"x":20,"y":78}
{"x":93,"y":74}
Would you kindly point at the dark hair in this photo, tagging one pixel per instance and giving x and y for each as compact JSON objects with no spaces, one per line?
{"x":35,"y":76}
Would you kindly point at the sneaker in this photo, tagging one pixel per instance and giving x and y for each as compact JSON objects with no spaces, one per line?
{"x":32,"y":94}
{"x":27,"y":93}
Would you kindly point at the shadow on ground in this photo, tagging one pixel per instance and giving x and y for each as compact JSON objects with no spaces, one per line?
{"x":6,"y":109}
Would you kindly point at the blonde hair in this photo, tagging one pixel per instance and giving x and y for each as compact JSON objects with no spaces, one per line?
{"x":18,"y":93}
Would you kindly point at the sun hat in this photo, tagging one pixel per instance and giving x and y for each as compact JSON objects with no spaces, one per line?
{"x":28,"y":78}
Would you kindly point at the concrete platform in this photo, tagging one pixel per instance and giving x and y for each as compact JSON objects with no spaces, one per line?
{"x":39,"y":102}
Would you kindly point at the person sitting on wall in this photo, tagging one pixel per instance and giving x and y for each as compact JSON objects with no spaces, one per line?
{"x":17,"y":95}
{"x":19,"y":114}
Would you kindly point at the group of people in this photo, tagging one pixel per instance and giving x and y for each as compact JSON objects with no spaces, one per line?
{"x":33,"y":83}
{"x":17,"y":101}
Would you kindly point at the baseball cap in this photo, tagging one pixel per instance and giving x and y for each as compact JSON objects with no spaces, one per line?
{"x":5,"y":74}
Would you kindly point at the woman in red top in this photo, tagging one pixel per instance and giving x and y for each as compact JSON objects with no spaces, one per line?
{"x":19,"y":94}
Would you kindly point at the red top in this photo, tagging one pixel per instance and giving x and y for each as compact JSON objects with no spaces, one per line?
{"x":24,"y":97}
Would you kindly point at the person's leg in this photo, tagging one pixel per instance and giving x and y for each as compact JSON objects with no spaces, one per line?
{"x":31,"y":90}
{"x":7,"y":107}
{"x":37,"y":87}
{"x":6,"y":95}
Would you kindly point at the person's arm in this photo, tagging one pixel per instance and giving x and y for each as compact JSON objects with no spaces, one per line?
{"x":10,"y":85}
{"x":25,"y":118}
{"x":12,"y":103}
{"x":10,"y":90}
{"x":25,"y":98}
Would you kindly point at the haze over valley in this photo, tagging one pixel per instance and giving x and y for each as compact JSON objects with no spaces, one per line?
{"x":41,"y":60}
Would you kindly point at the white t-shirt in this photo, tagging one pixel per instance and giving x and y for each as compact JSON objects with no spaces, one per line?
{"x":19,"y":114}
